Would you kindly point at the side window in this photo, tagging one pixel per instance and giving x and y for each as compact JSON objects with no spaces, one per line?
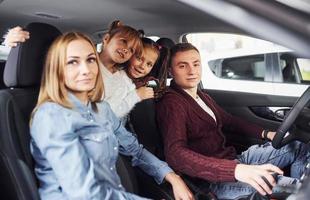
{"x":4,"y":52}
{"x":240,"y":68}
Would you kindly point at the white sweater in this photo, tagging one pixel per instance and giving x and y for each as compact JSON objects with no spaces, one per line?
{"x":119,"y":91}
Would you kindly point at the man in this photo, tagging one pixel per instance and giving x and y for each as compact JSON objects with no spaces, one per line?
{"x":191,"y":124}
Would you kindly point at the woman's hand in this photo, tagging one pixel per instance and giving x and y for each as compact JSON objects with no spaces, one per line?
{"x":145,"y":93}
{"x":253,"y":175}
{"x":15,"y":36}
{"x":180,"y":190}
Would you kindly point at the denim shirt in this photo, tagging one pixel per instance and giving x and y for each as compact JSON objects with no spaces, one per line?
{"x":76,"y":150}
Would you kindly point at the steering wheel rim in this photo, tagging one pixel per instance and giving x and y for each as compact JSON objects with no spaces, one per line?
{"x":279,"y":139}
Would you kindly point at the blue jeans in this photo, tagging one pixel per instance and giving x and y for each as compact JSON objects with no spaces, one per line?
{"x":295,"y":154}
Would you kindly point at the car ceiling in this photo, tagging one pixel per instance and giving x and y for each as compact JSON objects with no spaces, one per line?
{"x":165,"y":18}
{"x":270,"y":20}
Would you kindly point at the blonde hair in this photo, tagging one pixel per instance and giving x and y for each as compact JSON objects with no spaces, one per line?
{"x":53,"y":87}
{"x":117,"y":28}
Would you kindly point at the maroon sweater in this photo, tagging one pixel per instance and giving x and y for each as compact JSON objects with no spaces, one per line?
{"x":194,"y":142}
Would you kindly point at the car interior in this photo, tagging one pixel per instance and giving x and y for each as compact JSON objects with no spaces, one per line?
{"x":45,"y":20}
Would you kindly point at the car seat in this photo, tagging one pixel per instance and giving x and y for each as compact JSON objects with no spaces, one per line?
{"x":143,"y":124}
{"x":22,"y":75}
{"x":165,"y":42}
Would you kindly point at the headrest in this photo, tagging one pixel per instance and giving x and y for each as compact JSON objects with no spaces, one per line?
{"x":165,"y":42}
{"x":25,"y":62}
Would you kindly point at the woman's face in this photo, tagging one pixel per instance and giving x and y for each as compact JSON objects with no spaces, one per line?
{"x":118,"y":49}
{"x":81,"y":68}
{"x":141,"y":66}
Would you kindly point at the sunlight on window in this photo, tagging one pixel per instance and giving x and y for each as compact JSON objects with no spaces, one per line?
{"x":222,"y":43}
{"x":304,"y":66}
{"x":154,"y":38}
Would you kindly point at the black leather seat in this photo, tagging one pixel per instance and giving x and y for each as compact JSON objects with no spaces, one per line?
{"x":22,"y":74}
{"x":165,"y":42}
{"x":143,"y":123}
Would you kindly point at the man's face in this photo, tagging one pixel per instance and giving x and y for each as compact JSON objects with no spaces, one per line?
{"x":186,"y":69}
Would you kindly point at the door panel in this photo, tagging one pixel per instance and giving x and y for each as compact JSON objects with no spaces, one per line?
{"x":240,"y":104}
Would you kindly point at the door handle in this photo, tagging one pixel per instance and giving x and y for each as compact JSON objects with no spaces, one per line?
{"x":272,"y":113}
{"x":279,"y":113}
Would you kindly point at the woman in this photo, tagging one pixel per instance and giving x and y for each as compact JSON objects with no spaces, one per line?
{"x":76,"y":138}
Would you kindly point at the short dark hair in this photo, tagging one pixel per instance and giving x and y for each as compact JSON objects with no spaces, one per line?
{"x":180,"y":47}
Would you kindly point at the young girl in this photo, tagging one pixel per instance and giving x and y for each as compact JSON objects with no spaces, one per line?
{"x":148,"y":65}
{"x":76,"y":159}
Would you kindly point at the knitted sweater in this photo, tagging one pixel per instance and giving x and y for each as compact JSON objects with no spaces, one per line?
{"x":194,"y":142}
{"x":119,"y":91}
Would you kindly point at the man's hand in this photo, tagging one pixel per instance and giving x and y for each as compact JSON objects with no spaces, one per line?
{"x":253,"y":175}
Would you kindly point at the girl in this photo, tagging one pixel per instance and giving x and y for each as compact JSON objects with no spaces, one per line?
{"x":139,"y":70}
{"x":76,"y":159}
{"x":151,"y":63}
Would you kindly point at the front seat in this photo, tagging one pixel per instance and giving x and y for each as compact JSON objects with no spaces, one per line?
{"x":22,"y":75}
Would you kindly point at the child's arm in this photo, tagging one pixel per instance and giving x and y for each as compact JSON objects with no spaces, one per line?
{"x":145,"y":92}
{"x":121,"y":106}
{"x":15,"y":36}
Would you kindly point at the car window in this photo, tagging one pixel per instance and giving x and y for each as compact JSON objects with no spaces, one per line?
{"x":233,"y":62}
{"x":304,"y":66}
{"x":4,"y":52}
{"x":234,"y":56}
{"x":242,"y":68}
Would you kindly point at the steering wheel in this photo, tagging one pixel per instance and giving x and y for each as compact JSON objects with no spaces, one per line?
{"x":279,"y":139}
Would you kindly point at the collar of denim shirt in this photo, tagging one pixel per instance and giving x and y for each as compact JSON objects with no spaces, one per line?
{"x":78,"y":105}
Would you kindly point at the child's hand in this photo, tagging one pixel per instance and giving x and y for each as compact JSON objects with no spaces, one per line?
{"x":15,"y":36}
{"x":145,"y":93}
